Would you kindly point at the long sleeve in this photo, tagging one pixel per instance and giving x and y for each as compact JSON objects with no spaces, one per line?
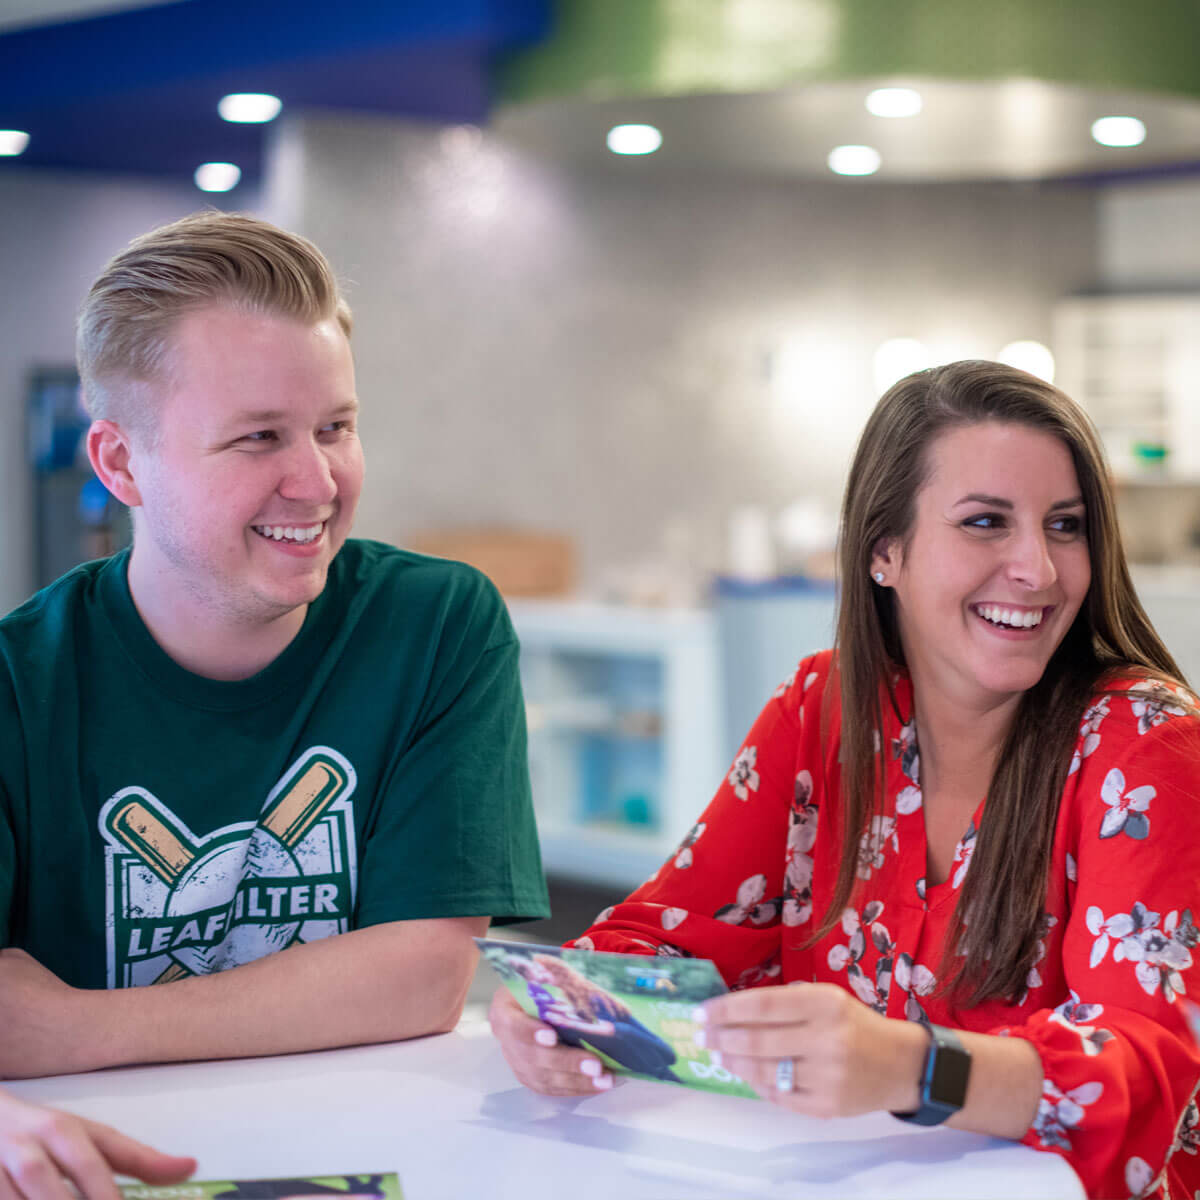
{"x":722,"y":895}
{"x":1121,"y":1068}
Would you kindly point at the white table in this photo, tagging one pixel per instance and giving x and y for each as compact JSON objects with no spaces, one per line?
{"x":446,"y":1114}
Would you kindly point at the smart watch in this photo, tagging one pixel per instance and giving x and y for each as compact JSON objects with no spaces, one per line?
{"x":943,"y":1078}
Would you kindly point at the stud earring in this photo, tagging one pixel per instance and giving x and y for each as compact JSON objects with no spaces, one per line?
{"x":878,"y":577}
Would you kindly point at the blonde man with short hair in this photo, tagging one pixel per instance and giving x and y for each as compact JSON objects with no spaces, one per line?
{"x":248,"y":733}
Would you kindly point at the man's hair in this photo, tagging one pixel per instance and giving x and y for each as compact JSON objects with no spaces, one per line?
{"x":124,"y":330}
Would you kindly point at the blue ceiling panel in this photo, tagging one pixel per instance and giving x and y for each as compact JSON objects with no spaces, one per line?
{"x":137,"y":91}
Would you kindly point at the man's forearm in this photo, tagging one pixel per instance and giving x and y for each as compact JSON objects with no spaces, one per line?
{"x":378,"y":984}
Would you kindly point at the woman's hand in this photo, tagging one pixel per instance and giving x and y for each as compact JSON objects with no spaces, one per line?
{"x":536,"y":1057}
{"x":39,"y":1146}
{"x":848,"y":1058}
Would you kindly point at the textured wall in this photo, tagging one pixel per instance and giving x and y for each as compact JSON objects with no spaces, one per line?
{"x":628,"y":355}
{"x":1150,"y":235}
{"x":56,"y":230}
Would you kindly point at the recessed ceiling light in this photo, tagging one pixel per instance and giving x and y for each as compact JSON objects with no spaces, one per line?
{"x":13,"y":141}
{"x":249,"y":108}
{"x":854,"y":160}
{"x":1029,"y":356}
{"x":1119,"y":131}
{"x":894,"y":102}
{"x":634,"y":139}
{"x":217,"y":176}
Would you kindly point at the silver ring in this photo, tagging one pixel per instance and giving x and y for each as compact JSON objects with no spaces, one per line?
{"x":785,"y":1074}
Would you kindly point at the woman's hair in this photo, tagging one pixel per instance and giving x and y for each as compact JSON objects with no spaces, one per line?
{"x":1000,"y":907}
{"x":123,"y":333}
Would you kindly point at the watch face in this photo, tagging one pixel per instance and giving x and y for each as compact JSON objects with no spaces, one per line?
{"x":951,"y":1069}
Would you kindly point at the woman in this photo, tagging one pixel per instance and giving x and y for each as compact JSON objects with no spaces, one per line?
{"x":1039,"y":942}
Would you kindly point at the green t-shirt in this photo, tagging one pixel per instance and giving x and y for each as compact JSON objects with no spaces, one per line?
{"x":154,"y":823}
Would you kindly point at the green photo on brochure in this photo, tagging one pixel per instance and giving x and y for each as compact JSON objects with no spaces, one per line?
{"x":313,"y":1187}
{"x":632,"y":1011}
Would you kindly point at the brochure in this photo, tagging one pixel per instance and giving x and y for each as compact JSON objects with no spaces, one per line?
{"x":634,"y":1012}
{"x":353,"y":1187}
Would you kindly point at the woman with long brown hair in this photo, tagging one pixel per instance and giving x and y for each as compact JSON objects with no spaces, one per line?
{"x":966,"y":836}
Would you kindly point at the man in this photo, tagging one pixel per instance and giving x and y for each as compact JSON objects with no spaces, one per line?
{"x":249,"y":733}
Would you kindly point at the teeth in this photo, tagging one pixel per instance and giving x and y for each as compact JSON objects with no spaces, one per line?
{"x":1011,"y":617}
{"x":291,"y":533}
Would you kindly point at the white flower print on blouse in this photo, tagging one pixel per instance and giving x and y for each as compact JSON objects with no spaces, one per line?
{"x":798,"y":869}
{"x":871,"y":992}
{"x":672,"y":918}
{"x":683,"y":854}
{"x":1089,"y":733}
{"x":962,"y":855}
{"x":769,"y":968}
{"x":1154,"y":704}
{"x":1139,"y":1177}
{"x":916,"y":980}
{"x":1073,"y":1014}
{"x":1059,"y":1112}
{"x":1187,"y":1134}
{"x":904,"y":747}
{"x":743,"y":778}
{"x":872,"y":844}
{"x":1158,"y":955}
{"x":749,"y":904}
{"x":1126,"y":810}
{"x":809,"y":680}
{"x":666,"y":950}
{"x":1034,"y":978}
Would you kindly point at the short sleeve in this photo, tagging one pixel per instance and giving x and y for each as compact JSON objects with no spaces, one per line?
{"x":723,"y":894}
{"x":454,"y":834}
{"x":1121,"y":1069}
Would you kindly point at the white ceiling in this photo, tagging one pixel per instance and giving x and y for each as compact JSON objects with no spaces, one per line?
{"x":17,"y":13}
{"x":1011,"y":129}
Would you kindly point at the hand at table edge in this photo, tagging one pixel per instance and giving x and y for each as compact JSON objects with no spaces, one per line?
{"x":40,"y":1146}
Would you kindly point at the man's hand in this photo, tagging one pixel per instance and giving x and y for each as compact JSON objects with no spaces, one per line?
{"x":44,"y":1021}
{"x":39,"y":1146}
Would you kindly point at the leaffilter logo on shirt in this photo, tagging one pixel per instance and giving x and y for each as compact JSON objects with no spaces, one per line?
{"x":181,"y":904}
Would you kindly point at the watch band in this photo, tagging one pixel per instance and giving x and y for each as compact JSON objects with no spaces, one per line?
{"x":943,"y":1078}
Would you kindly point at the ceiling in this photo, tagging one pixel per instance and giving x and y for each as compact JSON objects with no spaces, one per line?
{"x":1007,"y":129}
{"x":136,"y":90}
{"x":16,"y":13}
{"x":132,"y":85}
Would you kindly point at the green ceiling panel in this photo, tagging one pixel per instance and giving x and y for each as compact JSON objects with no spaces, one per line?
{"x":613,"y":48}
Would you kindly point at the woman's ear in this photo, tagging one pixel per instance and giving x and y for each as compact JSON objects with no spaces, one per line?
{"x":885,"y":561}
{"x":109,"y":451}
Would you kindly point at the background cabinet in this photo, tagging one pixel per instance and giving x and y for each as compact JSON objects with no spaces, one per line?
{"x":625,"y":733}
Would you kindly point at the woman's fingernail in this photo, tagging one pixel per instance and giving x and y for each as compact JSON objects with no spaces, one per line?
{"x":603,"y":1082}
{"x":699,"y":1038}
{"x":590,"y":1066}
{"x":545,"y":1037}
{"x":714,"y":1057}
{"x":700,"y":1016}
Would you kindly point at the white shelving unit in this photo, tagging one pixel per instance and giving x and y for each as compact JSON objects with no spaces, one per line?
{"x":625,"y":745}
{"x":1133,"y":361}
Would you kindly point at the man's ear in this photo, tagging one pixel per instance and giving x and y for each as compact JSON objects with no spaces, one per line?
{"x":111,"y":453}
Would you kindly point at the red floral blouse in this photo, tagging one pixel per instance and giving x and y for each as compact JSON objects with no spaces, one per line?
{"x":1105,"y":1002}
